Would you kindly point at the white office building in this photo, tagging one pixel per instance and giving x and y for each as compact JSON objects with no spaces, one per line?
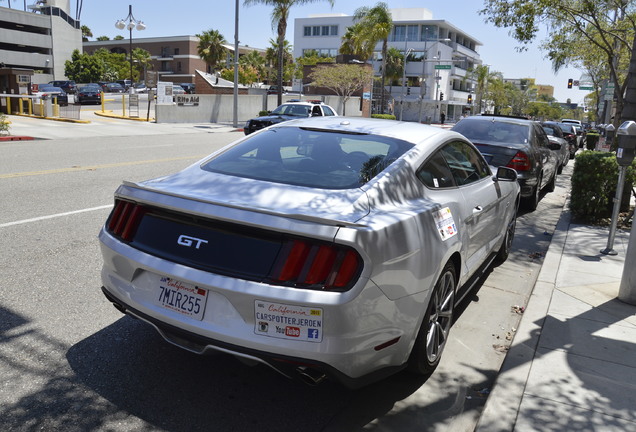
{"x":439,"y":56}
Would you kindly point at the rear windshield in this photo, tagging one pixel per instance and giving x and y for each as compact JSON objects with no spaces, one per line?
{"x":293,"y":110}
{"x":487,"y":131}
{"x":304,"y":157}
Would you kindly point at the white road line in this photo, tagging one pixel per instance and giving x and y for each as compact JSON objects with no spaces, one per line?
{"x":41,"y":218}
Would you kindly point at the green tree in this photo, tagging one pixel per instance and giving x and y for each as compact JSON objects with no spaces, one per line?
{"x":141,"y":59}
{"x":211,"y":49}
{"x":118,"y":37}
{"x":483,"y":76}
{"x":280,"y":14}
{"x":342,"y":79}
{"x":257,"y":62}
{"x":102,"y":38}
{"x":374,"y":24}
{"x":115,"y":65}
{"x":605,"y":24}
{"x":394,"y":64}
{"x":86,"y":33}
{"x":271,"y":57}
{"x":83,"y":68}
{"x":247,"y":74}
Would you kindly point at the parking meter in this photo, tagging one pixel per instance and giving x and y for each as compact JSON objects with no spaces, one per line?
{"x":626,"y":143}
{"x":610,"y":131}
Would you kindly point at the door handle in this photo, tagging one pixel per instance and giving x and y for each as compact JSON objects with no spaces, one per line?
{"x":477,"y":209}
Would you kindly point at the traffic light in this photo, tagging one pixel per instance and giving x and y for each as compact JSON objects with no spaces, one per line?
{"x":441,"y":96}
{"x":408,"y":90}
{"x":470,"y":98}
{"x":570,"y":81}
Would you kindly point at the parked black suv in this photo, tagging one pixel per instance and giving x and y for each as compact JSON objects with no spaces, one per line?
{"x":516,"y":143}
{"x":68,"y":86}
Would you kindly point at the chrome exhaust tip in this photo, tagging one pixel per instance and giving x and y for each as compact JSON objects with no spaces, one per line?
{"x":310,"y":376}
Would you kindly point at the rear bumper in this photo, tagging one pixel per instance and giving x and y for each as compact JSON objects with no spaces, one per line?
{"x":309,"y":371}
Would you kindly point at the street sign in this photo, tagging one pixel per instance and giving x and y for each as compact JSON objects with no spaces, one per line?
{"x":585,"y":88}
{"x":442,"y":66}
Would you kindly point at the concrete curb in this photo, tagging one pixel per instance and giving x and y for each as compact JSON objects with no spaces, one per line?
{"x":502,"y":407}
{"x":60,"y":119}
{"x":110,"y":114}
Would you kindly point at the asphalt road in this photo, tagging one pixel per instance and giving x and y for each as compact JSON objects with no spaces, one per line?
{"x":70,"y":362}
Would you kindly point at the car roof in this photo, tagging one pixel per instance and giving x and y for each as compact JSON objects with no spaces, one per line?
{"x":406,"y":131}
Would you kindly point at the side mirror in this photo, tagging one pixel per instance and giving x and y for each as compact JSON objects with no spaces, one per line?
{"x":506,"y":174}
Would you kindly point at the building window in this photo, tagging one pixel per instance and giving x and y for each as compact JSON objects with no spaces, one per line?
{"x":321,"y":30}
{"x":399,"y":33}
{"x":429,"y":33}
{"x":179,"y":66}
{"x":412,"y":32}
{"x":176,"y":51}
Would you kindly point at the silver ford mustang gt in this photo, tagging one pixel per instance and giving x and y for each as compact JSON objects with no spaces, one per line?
{"x":324,"y":248}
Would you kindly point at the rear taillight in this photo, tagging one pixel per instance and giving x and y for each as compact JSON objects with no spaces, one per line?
{"x":520,"y":162}
{"x":125,"y":219}
{"x":306,"y":264}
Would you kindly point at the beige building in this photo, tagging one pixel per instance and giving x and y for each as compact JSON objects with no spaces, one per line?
{"x":175,"y":58}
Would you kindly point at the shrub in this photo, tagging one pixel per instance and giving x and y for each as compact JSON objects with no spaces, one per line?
{"x":383,"y":116}
{"x":594,"y":182}
{"x":264,"y":113}
{"x":4,"y":124}
{"x":591,"y":139}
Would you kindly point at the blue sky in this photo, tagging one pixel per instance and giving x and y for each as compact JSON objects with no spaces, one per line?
{"x":188,"y":17}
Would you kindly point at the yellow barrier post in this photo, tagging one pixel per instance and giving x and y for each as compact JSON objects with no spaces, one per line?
{"x":123,"y":104}
{"x":56,"y":108}
{"x":9,"y":105}
{"x":30,"y":106}
{"x":20,"y":106}
{"x":103,"y":102}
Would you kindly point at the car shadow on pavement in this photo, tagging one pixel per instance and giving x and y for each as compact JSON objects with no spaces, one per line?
{"x":128,"y":365}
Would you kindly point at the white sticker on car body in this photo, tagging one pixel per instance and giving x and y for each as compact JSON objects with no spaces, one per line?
{"x":445,"y":224}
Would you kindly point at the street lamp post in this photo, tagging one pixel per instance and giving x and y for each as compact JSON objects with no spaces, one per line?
{"x":130,"y":23}
{"x":406,"y":55}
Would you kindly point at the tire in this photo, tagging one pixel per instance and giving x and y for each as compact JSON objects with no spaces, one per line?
{"x":531,"y":202}
{"x":560,"y":170}
{"x":504,"y":250}
{"x":433,"y":333}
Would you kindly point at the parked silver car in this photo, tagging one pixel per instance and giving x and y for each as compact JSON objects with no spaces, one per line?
{"x":322,"y":247}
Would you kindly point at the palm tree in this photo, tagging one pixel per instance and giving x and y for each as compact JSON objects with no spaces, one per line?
{"x":86,"y":33}
{"x":143,"y":59}
{"x":394,"y":64}
{"x":255,"y":60}
{"x":375,"y":24}
{"x":280,"y":14}
{"x":211,"y":48}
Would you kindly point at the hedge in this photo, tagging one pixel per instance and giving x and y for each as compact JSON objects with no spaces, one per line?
{"x":383,"y":116}
{"x":594,"y":182}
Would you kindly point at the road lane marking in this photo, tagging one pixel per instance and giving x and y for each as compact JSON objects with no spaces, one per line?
{"x":94,"y":167}
{"x":53,"y":216}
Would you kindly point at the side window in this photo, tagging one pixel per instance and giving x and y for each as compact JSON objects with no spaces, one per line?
{"x":327,"y":111}
{"x":542,"y":138}
{"x":435,"y":173}
{"x":465,"y":163}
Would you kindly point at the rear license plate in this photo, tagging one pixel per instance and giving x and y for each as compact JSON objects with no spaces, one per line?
{"x":186,"y":299}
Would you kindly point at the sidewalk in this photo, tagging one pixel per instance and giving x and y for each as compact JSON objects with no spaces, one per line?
{"x":572,"y":364}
